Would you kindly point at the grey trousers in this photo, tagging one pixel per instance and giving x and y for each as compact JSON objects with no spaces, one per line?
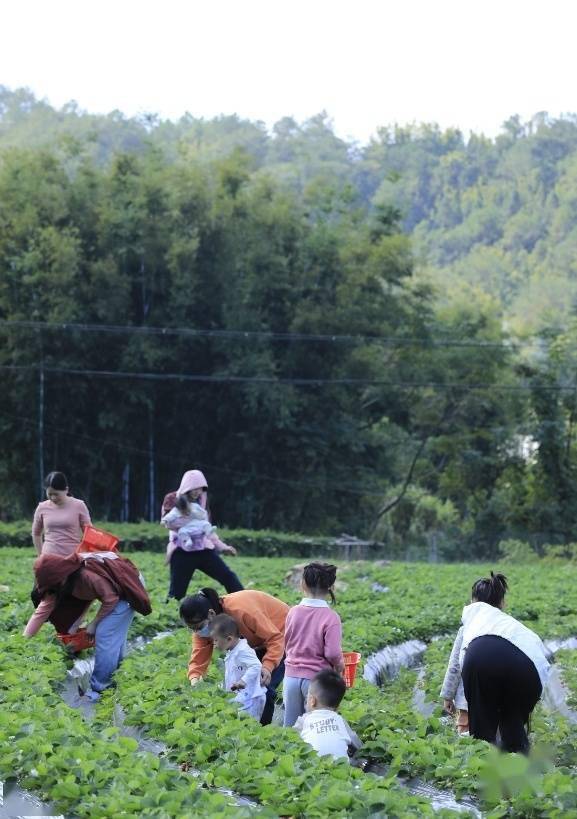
{"x":294,"y":695}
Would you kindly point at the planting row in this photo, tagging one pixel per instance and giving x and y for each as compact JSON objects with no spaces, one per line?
{"x":420,"y":600}
{"x":49,"y":748}
{"x":379,"y":604}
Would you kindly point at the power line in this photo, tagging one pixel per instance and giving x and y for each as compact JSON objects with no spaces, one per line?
{"x":258,"y":335}
{"x":173,"y":458}
{"x":275,"y":381}
{"x":261,"y":477}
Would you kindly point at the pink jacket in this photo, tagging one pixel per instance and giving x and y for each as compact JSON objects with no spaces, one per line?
{"x":192,"y":479}
{"x":313,"y":637}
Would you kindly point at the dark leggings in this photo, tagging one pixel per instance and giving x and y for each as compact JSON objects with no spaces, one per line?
{"x":184,"y":564}
{"x":276,"y":678}
{"x":502,"y":688}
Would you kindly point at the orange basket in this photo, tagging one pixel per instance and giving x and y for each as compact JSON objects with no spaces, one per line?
{"x":97,"y":540}
{"x":77,"y":642}
{"x":352,"y":659}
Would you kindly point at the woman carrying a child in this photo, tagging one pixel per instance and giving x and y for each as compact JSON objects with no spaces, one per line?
{"x":260,"y":618}
{"x":193,"y":542}
{"x":503,"y":666}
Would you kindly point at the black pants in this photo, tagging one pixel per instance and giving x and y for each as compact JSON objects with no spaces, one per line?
{"x":184,"y":564}
{"x":276,"y":678}
{"x":502,"y":688}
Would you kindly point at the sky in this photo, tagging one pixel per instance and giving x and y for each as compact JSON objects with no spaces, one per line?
{"x":367,"y":63}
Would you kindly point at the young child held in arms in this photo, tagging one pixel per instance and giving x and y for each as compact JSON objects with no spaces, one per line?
{"x":241,"y":666}
{"x":313,"y":636}
{"x":325,"y":730}
{"x":190,"y":521}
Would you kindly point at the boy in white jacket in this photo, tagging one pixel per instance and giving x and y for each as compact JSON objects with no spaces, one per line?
{"x":241,"y":666}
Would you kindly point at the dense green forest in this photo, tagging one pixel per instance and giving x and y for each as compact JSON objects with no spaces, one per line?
{"x":372,"y":339}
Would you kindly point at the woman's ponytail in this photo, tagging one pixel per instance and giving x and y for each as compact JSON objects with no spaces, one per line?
{"x":195,"y":608}
{"x":213,"y":600}
{"x":490,"y":590}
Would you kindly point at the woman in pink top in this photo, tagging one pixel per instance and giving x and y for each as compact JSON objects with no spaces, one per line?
{"x":313,"y":635}
{"x":59,"y":521}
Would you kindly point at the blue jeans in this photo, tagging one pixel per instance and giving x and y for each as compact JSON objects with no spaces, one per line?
{"x":294,"y":694}
{"x":110,"y":644}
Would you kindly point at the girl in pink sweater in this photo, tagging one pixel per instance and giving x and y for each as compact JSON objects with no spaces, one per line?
{"x":313,"y":637}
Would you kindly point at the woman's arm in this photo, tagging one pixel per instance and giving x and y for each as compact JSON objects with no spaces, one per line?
{"x":37,"y":530}
{"x":453,"y":673}
{"x":220,"y":546}
{"x":271,"y":638}
{"x":84,"y":516}
{"x":40,"y":616}
{"x":103,"y":591}
{"x":334,"y":645}
{"x":200,"y":657}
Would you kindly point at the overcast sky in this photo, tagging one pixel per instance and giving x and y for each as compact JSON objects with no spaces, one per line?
{"x":366,"y":62}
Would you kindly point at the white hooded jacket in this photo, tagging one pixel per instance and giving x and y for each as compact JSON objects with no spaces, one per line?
{"x":481,"y":619}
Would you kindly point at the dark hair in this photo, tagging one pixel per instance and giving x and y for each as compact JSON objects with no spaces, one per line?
{"x":320,"y":576}
{"x":196,"y":608}
{"x":181,"y":503}
{"x":329,"y":687}
{"x":56,"y":480}
{"x":490,"y":590}
{"x":224,"y":626}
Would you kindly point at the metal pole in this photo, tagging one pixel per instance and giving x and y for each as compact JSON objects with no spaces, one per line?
{"x":151,"y":480}
{"x":41,"y":431}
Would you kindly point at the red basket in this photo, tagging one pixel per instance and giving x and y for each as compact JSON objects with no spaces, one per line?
{"x":78,"y":641}
{"x":352,"y":659}
{"x":97,"y":540}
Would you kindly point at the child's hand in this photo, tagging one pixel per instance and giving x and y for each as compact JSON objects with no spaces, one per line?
{"x":237,"y":686}
{"x":229,"y":550}
{"x":195,"y":681}
{"x":449,"y":706}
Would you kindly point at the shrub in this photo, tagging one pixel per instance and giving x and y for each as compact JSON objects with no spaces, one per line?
{"x":517,"y":551}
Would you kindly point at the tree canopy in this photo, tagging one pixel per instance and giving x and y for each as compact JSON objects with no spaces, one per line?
{"x":376,"y":339}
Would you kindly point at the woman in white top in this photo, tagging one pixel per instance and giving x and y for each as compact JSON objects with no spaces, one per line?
{"x":504,"y":667}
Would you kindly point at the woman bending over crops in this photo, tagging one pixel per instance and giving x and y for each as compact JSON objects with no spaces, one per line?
{"x":65,"y":588}
{"x":58,"y":521}
{"x":260,"y":618}
{"x":503,"y":665}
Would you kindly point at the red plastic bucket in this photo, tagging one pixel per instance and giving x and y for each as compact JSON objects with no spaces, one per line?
{"x":352,"y":659}
{"x":78,"y":641}
{"x":97,"y":540}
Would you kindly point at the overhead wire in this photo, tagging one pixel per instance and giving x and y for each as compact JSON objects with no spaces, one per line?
{"x":266,"y":335}
{"x":290,"y":380}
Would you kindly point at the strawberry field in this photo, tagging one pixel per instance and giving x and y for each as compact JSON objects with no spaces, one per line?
{"x":155,"y":747}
